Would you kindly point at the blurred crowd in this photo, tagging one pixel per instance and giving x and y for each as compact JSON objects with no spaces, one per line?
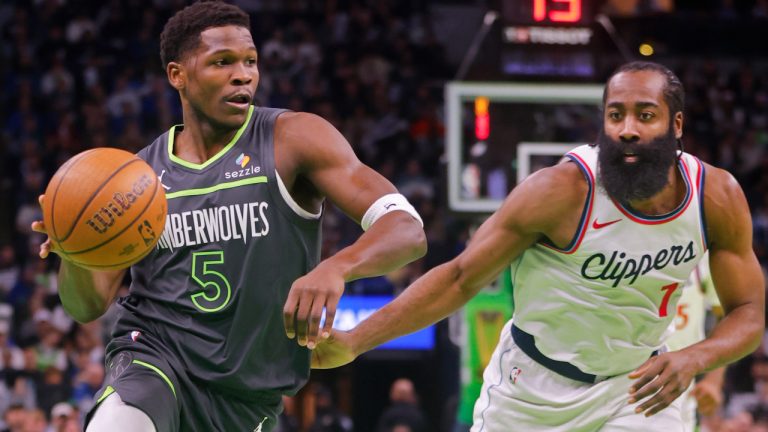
{"x":83,"y":74}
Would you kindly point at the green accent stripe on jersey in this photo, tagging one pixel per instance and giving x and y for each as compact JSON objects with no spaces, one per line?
{"x":214,"y":188}
{"x":159,"y":372}
{"x":217,"y":156}
{"x":108,"y":391}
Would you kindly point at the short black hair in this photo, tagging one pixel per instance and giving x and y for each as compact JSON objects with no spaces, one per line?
{"x":674,"y":94}
{"x":181,"y":33}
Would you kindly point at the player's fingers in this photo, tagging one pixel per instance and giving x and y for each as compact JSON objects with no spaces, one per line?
{"x":642,"y":368}
{"x":40,"y":199}
{"x":651,"y":382}
{"x":39,"y":226}
{"x":670,"y":390}
{"x":646,"y":390}
{"x":45,"y":249}
{"x":330,"y":315}
{"x":664,"y":400}
{"x":315,"y":315}
{"x":289,"y":313}
{"x":302,"y":316}
{"x":646,"y":373}
{"x":647,"y":385}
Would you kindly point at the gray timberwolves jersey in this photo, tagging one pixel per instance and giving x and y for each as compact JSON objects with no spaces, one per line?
{"x":213,"y":289}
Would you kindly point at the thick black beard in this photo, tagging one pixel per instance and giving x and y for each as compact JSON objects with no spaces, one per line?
{"x":641,"y":180}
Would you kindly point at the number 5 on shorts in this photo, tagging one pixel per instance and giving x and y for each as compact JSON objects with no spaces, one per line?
{"x":215,"y":290}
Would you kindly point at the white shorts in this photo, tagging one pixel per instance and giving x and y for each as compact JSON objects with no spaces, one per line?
{"x":519,"y":394}
{"x":689,"y":409}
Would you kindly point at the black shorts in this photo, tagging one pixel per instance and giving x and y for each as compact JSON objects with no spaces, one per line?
{"x":147,"y":376}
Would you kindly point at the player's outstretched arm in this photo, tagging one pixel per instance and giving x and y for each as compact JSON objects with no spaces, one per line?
{"x":85,"y":294}
{"x":311,"y":150}
{"x":535,"y":207}
{"x":739,"y":283}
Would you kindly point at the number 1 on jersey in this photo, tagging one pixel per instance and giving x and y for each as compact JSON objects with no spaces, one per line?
{"x":665,"y":301}
{"x":216,"y":291}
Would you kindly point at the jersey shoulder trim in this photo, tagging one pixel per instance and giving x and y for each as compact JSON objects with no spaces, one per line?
{"x":293,"y":204}
{"x":700,"y":177}
{"x":586,"y":213}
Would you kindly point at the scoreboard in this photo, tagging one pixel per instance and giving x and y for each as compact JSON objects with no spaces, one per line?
{"x":554,"y":12}
{"x":547,"y":38}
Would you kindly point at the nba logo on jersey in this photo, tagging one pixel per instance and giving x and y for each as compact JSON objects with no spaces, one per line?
{"x":135,"y":335}
{"x":516,"y":371}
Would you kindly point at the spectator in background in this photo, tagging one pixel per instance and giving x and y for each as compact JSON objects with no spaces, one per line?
{"x":9,"y":269}
{"x":61,"y":414}
{"x":756,"y":400}
{"x":11,"y":361}
{"x":36,"y":421}
{"x":287,"y":421}
{"x":51,"y":361}
{"x":404,"y":412}
{"x":327,"y":417}
{"x":15,"y":418}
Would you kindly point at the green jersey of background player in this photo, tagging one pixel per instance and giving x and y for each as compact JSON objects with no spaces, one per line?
{"x":201,"y":342}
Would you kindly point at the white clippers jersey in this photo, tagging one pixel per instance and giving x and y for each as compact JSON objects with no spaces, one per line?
{"x":604,"y":303}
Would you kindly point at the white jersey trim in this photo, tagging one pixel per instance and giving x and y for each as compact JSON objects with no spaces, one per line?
{"x":586,"y":213}
{"x":292,"y":204}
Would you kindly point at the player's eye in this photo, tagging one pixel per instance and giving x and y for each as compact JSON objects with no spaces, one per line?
{"x":220,"y":62}
{"x":614,"y":115}
{"x":251,"y":61}
{"x":645,"y":115}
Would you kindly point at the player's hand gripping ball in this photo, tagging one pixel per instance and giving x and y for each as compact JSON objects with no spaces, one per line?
{"x":104,"y":209}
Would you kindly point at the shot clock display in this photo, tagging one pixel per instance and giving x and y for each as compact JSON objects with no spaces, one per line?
{"x":552,"y":12}
{"x":547,"y":38}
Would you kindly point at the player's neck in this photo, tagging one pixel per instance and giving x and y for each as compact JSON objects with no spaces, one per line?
{"x":200,"y":140}
{"x":666,"y":200}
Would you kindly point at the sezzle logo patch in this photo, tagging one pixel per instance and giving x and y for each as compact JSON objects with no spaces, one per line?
{"x":242,"y":161}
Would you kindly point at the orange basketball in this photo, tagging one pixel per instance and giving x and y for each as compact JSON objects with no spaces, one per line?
{"x":104,"y":209}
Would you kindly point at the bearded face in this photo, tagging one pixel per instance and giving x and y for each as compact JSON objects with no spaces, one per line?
{"x":632,"y":170}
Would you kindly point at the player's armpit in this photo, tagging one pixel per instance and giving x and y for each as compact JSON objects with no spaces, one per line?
{"x":309,"y":147}
{"x":316,"y":162}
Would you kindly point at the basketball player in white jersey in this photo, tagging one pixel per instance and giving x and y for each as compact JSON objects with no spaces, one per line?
{"x":697,"y":298}
{"x":599,"y":246}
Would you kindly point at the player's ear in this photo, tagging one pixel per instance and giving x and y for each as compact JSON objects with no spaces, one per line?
{"x":678,"y":124}
{"x":177,"y":76}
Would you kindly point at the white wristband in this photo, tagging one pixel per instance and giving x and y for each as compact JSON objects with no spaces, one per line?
{"x":388,"y":203}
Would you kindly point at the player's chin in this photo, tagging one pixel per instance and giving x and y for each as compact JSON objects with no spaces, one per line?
{"x":233,"y":114}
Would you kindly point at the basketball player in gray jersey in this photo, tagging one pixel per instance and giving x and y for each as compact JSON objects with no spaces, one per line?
{"x":201,"y":342}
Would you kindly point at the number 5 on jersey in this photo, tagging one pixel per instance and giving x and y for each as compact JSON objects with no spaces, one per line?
{"x":215,"y":290}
